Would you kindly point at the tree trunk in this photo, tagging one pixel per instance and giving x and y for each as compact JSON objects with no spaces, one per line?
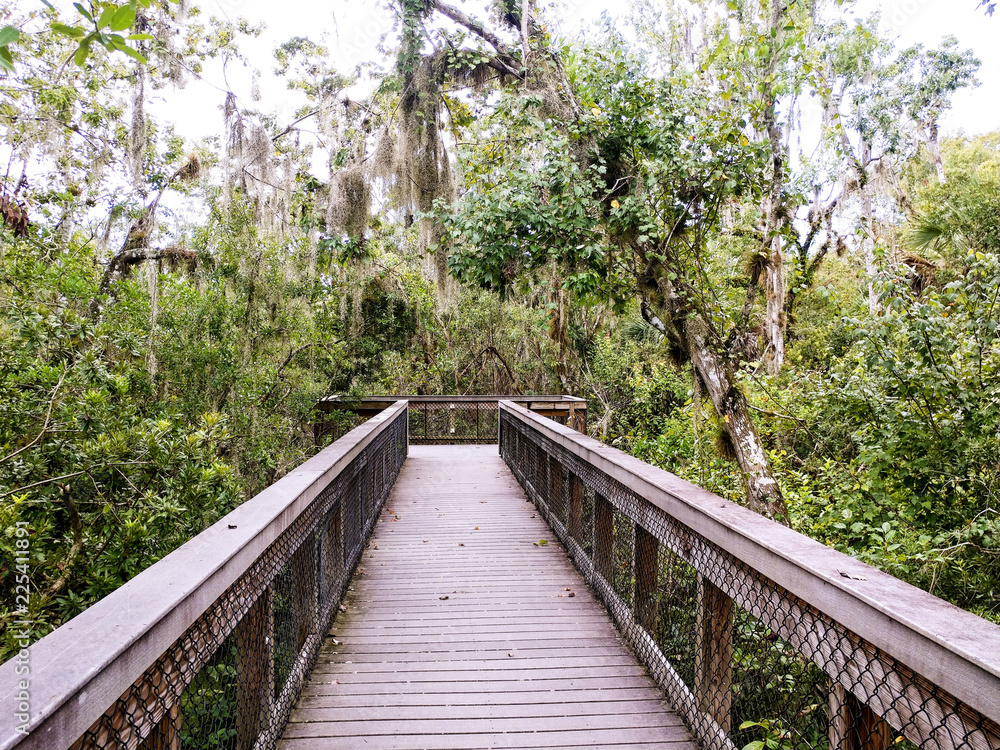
{"x":690,"y":333}
{"x":763,"y":493}
{"x":868,"y":247}
{"x":775,"y":287}
{"x":153,"y":281}
{"x":935,"y":148}
{"x":867,"y":223}
{"x":775,"y":321}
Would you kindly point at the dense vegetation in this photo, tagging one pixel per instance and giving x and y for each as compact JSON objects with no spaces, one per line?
{"x":631,"y":217}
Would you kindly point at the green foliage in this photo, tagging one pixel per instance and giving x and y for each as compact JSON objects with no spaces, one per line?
{"x":963,"y":215}
{"x":130,"y":422}
{"x":114,"y":462}
{"x":912,"y":408}
{"x":641,"y":392}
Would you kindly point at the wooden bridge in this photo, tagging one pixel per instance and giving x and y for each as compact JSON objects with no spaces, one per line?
{"x":546,"y":591}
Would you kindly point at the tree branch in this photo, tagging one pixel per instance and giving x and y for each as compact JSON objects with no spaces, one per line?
{"x":45,"y":425}
{"x":508,"y":64}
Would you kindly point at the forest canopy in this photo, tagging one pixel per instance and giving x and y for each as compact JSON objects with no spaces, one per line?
{"x":738,"y":229}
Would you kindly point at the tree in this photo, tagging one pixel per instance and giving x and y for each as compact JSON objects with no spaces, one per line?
{"x":938,"y":74}
{"x":627,"y":201}
{"x":889,"y":101}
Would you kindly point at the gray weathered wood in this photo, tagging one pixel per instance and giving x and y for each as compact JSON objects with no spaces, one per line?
{"x":254,"y":670}
{"x":950,"y":648}
{"x":104,"y":650}
{"x":462,"y":629}
{"x":647,"y":567}
{"x":713,"y":655}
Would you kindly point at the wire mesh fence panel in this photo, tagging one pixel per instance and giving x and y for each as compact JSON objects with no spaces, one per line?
{"x":458,"y":422}
{"x":230,"y":682}
{"x":444,"y":420}
{"x":748,"y":665}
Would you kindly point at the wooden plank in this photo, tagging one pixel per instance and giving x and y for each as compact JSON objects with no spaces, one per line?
{"x":438,"y":712}
{"x":480,"y":653}
{"x":662,"y":737}
{"x":495,"y":686}
{"x":507,"y":659}
{"x":505,"y":725}
{"x":480,"y":699}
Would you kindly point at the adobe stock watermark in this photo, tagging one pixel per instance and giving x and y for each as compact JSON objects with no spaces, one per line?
{"x":896,"y":14}
{"x":22,"y":600}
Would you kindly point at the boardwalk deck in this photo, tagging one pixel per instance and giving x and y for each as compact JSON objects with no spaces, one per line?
{"x":463,"y":631}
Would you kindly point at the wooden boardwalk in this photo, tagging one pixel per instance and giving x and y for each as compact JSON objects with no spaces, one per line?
{"x":464,"y":630}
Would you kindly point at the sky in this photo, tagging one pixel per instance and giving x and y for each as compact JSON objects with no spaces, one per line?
{"x":353,"y":29}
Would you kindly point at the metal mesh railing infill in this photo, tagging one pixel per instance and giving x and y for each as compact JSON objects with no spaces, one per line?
{"x":446,"y":420}
{"x":748,"y":664}
{"x":229,"y":682}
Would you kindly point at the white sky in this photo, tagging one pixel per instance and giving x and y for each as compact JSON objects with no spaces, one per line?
{"x":354,"y":28}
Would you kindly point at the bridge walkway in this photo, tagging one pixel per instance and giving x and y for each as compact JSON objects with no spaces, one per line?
{"x":468,"y":627}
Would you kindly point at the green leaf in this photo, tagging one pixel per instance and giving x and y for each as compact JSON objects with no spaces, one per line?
{"x":6,"y":61}
{"x":131,"y":53}
{"x":84,"y":12}
{"x":123,"y":19}
{"x":140,"y":37}
{"x":74,"y":32}
{"x":81,"y":54}
{"x":8,"y":34}
{"x":105,"y":18}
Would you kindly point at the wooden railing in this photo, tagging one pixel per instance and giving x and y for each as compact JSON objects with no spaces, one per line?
{"x":758,"y":634}
{"x":447,"y":420}
{"x":209,"y":646}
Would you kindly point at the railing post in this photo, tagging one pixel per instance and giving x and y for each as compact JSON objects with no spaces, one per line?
{"x":555,"y":489}
{"x":713,"y":656}
{"x":604,"y":537}
{"x":647,"y":549}
{"x":853,"y":725}
{"x":576,"y":508}
{"x":304,"y":590}
{"x":541,"y":466}
{"x":254,"y":670}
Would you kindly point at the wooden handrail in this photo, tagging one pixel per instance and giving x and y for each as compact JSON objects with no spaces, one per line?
{"x":954,"y":649}
{"x":456,"y":399}
{"x":82,"y":668}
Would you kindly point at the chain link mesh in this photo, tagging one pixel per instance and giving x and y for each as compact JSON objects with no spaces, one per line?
{"x":230,"y":682}
{"x":747,"y":664}
{"x":458,"y":422}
